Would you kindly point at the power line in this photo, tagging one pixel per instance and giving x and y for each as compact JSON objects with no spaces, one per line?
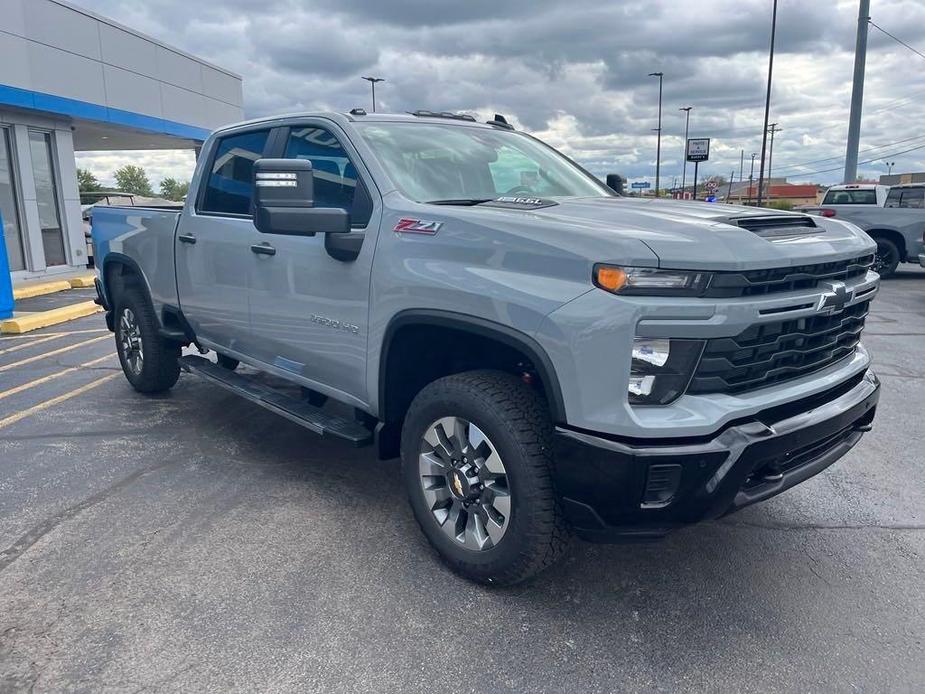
{"x":896,"y":39}
{"x":869,"y":161}
{"x":841,"y":157}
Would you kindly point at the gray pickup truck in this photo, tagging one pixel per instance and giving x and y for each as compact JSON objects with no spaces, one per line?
{"x":546,"y":357}
{"x":898,"y":226}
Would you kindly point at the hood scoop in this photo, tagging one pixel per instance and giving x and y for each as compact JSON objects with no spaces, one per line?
{"x":774,"y":227}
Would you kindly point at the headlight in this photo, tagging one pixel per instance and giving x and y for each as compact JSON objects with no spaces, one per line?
{"x":649,"y":281}
{"x":661,"y":369}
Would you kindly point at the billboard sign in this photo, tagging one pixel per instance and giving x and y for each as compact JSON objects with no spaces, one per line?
{"x":698,"y":149}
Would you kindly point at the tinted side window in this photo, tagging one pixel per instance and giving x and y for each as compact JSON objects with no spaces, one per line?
{"x":892,"y":199}
{"x":913,"y":197}
{"x":336,"y":180}
{"x":231,"y":172}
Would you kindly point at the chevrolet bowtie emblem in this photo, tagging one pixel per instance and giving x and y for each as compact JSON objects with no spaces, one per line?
{"x":836,"y":298}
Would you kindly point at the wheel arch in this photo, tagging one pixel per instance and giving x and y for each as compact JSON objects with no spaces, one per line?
{"x":891,"y":235}
{"x":485,"y":331}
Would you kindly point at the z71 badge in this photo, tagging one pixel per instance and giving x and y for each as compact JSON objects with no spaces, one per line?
{"x":417,"y":226}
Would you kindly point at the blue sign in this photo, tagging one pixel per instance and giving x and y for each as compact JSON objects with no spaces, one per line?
{"x":710,"y":198}
{"x":641,"y":185}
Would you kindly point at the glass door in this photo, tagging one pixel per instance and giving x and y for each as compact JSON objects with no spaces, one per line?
{"x":46,"y":195}
{"x":12,"y":234}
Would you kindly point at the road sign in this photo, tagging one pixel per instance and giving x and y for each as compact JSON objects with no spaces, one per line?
{"x":698,"y":149}
{"x":641,"y":185}
{"x":712,"y":187}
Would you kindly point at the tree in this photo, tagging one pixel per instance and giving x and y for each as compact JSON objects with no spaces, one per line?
{"x":86,"y":181}
{"x":172,"y":189}
{"x":133,"y":179}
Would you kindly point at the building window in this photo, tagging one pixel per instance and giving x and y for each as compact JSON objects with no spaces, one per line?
{"x":46,"y":197}
{"x":12,"y":231}
{"x":231,"y":174}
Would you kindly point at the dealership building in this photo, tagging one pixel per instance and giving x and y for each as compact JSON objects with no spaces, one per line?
{"x":73,"y":81}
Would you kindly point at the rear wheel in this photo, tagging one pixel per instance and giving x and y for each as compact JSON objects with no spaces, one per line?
{"x":477,"y":465}
{"x":887,"y":259}
{"x":148,"y":360}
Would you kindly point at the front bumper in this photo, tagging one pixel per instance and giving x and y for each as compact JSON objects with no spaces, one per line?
{"x":613,"y":489}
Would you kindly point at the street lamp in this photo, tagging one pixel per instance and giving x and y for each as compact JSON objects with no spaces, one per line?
{"x":890,"y":164}
{"x":372,"y":83}
{"x":687,"y":123}
{"x":767,"y":101}
{"x":658,"y":150}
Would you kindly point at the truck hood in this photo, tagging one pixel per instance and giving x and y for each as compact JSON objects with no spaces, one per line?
{"x":687,"y":235}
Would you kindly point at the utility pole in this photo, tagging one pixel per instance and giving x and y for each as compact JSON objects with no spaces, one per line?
{"x":658,"y":150}
{"x":772,"y":129}
{"x":767,"y":100}
{"x":372,"y":83}
{"x":751,"y":178}
{"x":857,"y":94}
{"x":687,"y":123}
{"x":741,"y":171}
{"x":732,"y":177}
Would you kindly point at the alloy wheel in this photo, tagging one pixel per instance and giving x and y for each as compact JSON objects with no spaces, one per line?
{"x":130,"y":341}
{"x":464,"y":483}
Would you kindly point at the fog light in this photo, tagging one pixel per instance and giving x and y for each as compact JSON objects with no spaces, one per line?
{"x":661,"y":369}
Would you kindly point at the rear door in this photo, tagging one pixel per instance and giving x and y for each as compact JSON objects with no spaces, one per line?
{"x":309,"y":311}
{"x":212,"y":246}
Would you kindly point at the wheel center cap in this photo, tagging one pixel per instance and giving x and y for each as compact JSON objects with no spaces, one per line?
{"x":458,"y":484}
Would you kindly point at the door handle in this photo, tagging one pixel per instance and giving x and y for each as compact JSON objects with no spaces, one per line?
{"x":263,"y":249}
{"x":186,"y":238}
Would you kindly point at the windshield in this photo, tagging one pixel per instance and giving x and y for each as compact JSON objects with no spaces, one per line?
{"x":432,"y":162}
{"x":850,"y":197}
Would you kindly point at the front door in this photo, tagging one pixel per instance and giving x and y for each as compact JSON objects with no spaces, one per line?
{"x":309,"y":312}
{"x":212,"y":244}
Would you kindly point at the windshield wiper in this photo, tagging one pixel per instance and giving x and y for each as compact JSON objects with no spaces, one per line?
{"x":460,"y":201}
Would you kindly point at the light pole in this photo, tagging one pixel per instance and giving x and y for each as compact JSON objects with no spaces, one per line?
{"x":372,"y":83}
{"x":890,"y":165}
{"x":687,"y":123}
{"x":751,"y":178}
{"x":658,"y":149}
{"x":767,"y":101}
{"x":857,"y":94}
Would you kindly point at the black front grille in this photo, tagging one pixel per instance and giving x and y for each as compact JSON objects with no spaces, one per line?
{"x":785,"y":279}
{"x":769,"y":353}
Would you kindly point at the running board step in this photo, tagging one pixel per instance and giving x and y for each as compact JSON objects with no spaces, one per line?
{"x":298,"y":411}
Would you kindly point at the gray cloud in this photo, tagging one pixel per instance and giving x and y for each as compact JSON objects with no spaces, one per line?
{"x":576,"y":72}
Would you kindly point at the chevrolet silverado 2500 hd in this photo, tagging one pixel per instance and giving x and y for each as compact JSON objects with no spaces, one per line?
{"x":546,"y":356}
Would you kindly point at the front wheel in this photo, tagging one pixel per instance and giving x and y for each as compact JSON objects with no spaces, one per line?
{"x":148,"y":360}
{"x":887,"y":259}
{"x":477,"y":465}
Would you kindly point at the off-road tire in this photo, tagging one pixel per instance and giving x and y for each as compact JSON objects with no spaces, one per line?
{"x":516,"y":420}
{"x":160,"y":368}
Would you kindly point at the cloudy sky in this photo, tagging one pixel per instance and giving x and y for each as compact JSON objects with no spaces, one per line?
{"x":573,"y":73}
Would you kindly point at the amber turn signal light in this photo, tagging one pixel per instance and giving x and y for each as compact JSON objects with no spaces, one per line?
{"x":610,"y":278}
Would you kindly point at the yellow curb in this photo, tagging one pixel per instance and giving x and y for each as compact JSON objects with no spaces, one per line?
{"x":40,"y":289}
{"x":42,"y":319}
{"x":82,"y":282}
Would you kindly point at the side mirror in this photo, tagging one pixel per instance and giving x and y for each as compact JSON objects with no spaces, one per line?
{"x":615,"y":183}
{"x":284,"y":201}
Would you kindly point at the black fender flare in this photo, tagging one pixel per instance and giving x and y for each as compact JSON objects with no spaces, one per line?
{"x":483,"y":328}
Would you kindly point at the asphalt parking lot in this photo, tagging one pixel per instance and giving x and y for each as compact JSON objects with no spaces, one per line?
{"x":193,"y":541}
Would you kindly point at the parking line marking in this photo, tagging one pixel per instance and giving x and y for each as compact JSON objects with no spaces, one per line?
{"x":59,"y":333}
{"x":28,"y":344}
{"x":12,"y":419}
{"x":51,"y":377}
{"x":52,"y":353}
